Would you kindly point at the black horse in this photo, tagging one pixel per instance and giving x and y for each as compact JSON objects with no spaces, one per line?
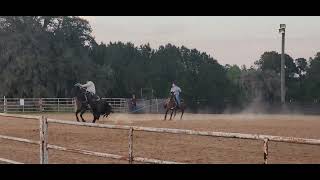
{"x":85,"y":101}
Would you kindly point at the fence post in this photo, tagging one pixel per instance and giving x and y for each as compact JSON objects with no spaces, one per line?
{"x":4,"y":104}
{"x":150,"y":105}
{"x":40,"y":104}
{"x":127,"y":109}
{"x":265,"y":150}
{"x":43,"y":140}
{"x":58,"y":106}
{"x":130,"y":145}
{"x":157,"y":105}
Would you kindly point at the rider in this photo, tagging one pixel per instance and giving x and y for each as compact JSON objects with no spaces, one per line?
{"x":176,"y":91}
{"x":90,"y":89}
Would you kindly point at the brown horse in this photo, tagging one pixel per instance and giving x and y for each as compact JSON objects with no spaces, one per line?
{"x":170,"y":105}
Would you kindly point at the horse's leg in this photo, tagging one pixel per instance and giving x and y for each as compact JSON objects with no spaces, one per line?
{"x":165,"y":117}
{"x":95,"y":117}
{"x":182,"y":111}
{"x":171,"y":114}
{"x":175,"y":112}
{"x":82,"y":112}
{"x":77,"y":112}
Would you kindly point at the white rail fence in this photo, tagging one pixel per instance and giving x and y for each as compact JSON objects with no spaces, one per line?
{"x":29,"y":105}
{"x":45,"y":146}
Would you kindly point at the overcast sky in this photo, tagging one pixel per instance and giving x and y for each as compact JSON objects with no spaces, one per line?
{"x":229,"y":39}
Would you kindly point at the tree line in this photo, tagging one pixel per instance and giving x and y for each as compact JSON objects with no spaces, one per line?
{"x":44,"y":56}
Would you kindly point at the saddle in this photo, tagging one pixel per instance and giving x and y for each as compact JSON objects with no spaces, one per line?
{"x":95,"y":98}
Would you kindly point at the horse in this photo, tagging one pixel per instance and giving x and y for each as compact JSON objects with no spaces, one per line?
{"x":98,"y":107}
{"x":171,"y":105}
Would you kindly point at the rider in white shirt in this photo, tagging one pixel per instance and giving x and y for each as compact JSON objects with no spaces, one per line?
{"x":176,"y":91}
{"x":90,"y":88}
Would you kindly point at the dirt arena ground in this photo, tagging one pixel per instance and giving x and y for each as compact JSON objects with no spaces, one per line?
{"x":171,"y":147}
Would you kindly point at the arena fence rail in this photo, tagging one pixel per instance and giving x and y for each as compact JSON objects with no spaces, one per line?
{"x":44,"y":145}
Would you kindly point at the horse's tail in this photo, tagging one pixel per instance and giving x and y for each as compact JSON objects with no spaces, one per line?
{"x":165,"y":105}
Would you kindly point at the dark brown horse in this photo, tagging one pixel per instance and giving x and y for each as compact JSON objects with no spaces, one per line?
{"x":170,"y":105}
{"x":97,"y":107}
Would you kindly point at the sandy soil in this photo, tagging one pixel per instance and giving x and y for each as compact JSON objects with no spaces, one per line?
{"x":181,"y":148}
